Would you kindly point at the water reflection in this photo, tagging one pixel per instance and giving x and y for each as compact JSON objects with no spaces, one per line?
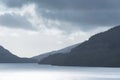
{"x":43,"y":72}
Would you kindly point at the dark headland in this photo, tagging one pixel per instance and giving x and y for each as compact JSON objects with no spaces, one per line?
{"x":101,"y":50}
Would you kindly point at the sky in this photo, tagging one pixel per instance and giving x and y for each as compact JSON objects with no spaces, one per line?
{"x":32,"y":27}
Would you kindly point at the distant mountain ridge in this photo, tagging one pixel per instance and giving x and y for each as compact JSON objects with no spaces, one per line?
{"x":102,"y":50}
{"x":7,"y":57}
{"x":62,"y":51}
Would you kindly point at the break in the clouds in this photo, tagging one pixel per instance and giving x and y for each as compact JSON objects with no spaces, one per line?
{"x":85,"y":14}
{"x":15,"y":21}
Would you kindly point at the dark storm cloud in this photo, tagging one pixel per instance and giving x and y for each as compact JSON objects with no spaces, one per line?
{"x":68,"y":4}
{"x":15,"y":3}
{"x":87,"y":13}
{"x":15,"y":21}
{"x":88,"y":19}
{"x":79,"y":4}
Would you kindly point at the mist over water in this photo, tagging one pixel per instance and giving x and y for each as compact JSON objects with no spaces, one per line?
{"x":47,"y":72}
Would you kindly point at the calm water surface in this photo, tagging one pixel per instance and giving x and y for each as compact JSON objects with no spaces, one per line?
{"x":47,"y":72}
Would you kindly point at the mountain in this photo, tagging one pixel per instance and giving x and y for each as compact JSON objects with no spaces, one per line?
{"x":101,"y":50}
{"x":7,"y":57}
{"x":63,"y":51}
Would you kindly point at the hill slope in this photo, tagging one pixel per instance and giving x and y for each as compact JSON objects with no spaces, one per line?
{"x":7,"y":57}
{"x":62,"y":51}
{"x":102,"y":49}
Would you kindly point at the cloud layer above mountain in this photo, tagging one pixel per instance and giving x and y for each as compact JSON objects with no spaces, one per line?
{"x":15,"y":21}
{"x":62,"y":22}
{"x":85,"y":14}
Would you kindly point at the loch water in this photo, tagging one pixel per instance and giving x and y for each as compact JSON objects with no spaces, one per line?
{"x":29,"y":71}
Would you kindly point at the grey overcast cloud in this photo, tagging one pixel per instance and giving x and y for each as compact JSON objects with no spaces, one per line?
{"x":32,"y":27}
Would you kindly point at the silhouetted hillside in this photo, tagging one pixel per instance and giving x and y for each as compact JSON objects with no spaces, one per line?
{"x":7,"y":57}
{"x":102,"y":49}
{"x":62,"y":51}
